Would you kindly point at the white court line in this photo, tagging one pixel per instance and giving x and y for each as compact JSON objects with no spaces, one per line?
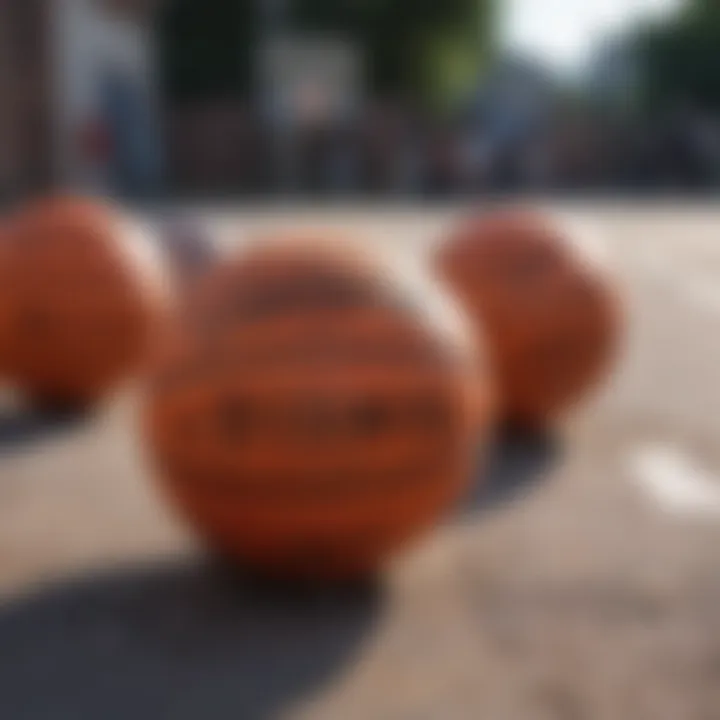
{"x":675,"y":482}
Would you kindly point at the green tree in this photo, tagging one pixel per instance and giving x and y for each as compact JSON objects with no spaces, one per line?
{"x":204,"y":48}
{"x":679,"y":58}
{"x":425,"y":48}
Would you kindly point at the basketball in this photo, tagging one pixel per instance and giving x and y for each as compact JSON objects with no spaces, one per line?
{"x":309,"y":415}
{"x":549,"y":311}
{"x":4,"y":305}
{"x":83,"y":295}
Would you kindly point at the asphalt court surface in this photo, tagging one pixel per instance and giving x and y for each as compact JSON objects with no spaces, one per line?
{"x":584,"y":583}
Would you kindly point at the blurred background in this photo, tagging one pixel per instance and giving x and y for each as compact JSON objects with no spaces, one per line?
{"x":248,"y":98}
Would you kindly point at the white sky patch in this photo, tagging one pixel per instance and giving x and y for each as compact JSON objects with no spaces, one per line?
{"x":675,"y":482}
{"x":563,"y":31}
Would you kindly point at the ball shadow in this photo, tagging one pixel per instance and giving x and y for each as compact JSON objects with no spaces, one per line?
{"x":184,"y":640}
{"x":24,"y":426}
{"x":517,"y":464}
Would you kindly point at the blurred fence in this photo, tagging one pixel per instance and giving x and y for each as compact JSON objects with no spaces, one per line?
{"x":225,"y":148}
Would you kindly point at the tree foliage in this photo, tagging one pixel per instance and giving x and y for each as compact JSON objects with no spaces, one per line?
{"x":422,"y":48}
{"x":680,"y":58}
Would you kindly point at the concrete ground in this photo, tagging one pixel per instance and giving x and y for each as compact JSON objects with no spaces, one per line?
{"x":592,"y":592}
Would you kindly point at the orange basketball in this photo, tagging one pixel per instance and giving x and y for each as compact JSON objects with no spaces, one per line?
{"x":550,"y":315}
{"x":5,"y":342}
{"x":84,"y":295}
{"x":309,"y":415}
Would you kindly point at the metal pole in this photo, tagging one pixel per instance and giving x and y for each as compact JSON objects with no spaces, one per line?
{"x":274,"y":20}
